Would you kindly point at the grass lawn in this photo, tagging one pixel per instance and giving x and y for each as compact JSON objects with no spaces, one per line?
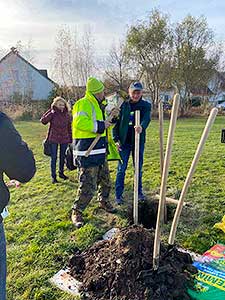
{"x":40,"y":236}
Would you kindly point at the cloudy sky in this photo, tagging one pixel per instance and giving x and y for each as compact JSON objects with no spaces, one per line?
{"x":108,"y":19}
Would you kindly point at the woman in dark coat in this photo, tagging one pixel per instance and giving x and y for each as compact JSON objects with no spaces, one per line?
{"x":59,"y":134}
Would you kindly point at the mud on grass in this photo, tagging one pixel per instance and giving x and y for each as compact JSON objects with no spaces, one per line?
{"x":121,"y":268}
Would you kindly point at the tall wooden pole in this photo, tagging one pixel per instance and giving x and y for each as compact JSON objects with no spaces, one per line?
{"x":161,"y":208}
{"x":192,"y":169}
{"x":136,"y":166}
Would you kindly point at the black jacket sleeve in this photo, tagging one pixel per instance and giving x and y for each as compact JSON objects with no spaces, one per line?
{"x":16,"y":160}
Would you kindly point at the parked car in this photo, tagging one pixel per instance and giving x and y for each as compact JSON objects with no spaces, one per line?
{"x":167,"y":106}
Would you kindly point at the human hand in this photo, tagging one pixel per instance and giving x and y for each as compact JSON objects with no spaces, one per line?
{"x":52,"y":108}
{"x":138,"y":129}
{"x":115,"y":112}
{"x":107,"y":124}
{"x":118,"y":146}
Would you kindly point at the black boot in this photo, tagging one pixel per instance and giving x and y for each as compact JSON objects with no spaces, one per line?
{"x":54,"y":180}
{"x":63,"y":176}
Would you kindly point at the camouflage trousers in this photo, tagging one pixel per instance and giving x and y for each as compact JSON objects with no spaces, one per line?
{"x":90,"y":180}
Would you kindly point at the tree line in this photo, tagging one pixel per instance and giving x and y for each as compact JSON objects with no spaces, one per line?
{"x":183,"y":56}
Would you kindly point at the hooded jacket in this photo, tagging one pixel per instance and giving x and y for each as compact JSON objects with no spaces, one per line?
{"x":16,"y":160}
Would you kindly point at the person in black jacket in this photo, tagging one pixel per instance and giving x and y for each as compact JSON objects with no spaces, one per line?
{"x":124,"y":136}
{"x":17,"y":162}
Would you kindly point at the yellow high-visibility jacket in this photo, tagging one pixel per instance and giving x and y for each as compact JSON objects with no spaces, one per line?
{"x":88,"y":121}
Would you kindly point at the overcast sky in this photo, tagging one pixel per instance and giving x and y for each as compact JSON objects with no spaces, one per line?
{"x":109,"y":20}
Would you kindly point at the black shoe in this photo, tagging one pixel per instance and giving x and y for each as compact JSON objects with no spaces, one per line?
{"x":63,"y":176}
{"x":54,"y":180}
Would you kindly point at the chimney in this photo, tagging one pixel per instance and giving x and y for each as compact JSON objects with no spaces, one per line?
{"x":14,"y":50}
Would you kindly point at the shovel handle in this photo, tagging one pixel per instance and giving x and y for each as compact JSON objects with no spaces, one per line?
{"x":161,"y":136}
{"x":161,"y":208}
{"x":136,"y":166}
{"x":190,"y":174}
{"x":161,"y":146}
{"x":93,"y":145}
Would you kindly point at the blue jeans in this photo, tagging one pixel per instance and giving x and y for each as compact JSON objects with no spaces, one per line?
{"x":125,"y":152}
{"x":2,"y":263}
{"x":54,"y":151}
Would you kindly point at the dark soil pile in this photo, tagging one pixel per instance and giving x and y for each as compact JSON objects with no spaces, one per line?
{"x":121,"y":269}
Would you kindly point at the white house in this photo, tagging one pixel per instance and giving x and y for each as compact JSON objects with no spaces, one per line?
{"x":217,"y":86}
{"x":20,"y":78}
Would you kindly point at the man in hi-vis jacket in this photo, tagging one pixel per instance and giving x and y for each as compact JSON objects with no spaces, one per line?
{"x":88,"y":122}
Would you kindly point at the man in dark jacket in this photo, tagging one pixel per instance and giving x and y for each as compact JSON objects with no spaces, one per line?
{"x":124,"y":136}
{"x":17,"y":162}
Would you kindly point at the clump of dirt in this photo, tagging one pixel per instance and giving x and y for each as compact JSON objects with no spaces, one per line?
{"x":121,"y":269}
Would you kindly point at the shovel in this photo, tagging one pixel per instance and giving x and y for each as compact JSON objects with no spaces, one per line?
{"x":190,"y":174}
{"x":161,"y":208}
{"x":161,"y":136}
{"x":136,"y":167}
{"x":161,"y":146}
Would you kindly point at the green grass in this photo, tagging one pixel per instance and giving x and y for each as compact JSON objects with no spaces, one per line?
{"x":40,"y":236}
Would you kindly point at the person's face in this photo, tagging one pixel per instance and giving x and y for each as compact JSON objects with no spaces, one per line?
{"x":60,"y":105}
{"x":135,"y":95}
{"x":100,"y":96}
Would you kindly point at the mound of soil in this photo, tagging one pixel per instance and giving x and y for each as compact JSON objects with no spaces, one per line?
{"x":121,"y":269}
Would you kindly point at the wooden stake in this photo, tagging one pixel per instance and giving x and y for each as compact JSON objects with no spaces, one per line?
{"x":161,"y":136}
{"x":170,"y":200}
{"x":136,"y":167}
{"x":167,"y":159}
{"x":190,"y":174}
{"x":161,"y":146}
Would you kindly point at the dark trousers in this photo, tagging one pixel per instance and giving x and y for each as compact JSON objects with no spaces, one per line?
{"x":125,"y":152}
{"x":62,"y":152}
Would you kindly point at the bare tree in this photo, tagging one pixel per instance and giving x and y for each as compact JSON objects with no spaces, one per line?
{"x":117,"y":66}
{"x":27,"y":50}
{"x":74,"y":57}
{"x":86,"y":55}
